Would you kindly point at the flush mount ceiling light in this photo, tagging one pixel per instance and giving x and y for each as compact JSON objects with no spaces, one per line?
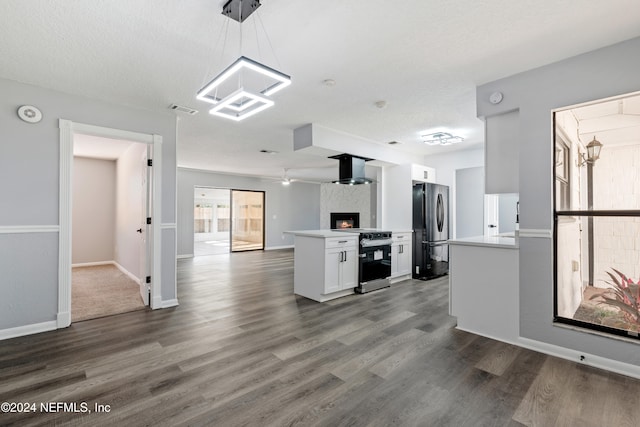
{"x":441,"y":138}
{"x":244,"y":87}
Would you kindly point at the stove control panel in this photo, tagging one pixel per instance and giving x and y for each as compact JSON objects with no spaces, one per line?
{"x":377,"y":235}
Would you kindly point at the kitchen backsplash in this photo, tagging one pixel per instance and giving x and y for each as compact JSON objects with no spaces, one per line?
{"x":347,"y":198}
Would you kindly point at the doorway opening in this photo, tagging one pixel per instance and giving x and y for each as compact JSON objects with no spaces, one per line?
{"x":111,"y":194}
{"x":227,"y":221}
{"x":150,"y":287}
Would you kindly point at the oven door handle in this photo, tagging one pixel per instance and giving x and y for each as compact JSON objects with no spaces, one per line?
{"x":365,"y":243}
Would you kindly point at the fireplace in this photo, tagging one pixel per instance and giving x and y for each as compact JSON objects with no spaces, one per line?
{"x":345,"y":220}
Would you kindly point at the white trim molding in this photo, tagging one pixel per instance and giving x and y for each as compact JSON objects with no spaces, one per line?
{"x":569,"y":354}
{"x":92,"y":264}
{"x":536,"y":233}
{"x":185,"y":256}
{"x":127,"y":273}
{"x":65,"y":209}
{"x":169,"y":303}
{"x":20,"y":229}
{"x":67,"y":131}
{"x":275,"y":248}
{"x":580,"y":357}
{"x":21,"y":331}
{"x":168,"y":226}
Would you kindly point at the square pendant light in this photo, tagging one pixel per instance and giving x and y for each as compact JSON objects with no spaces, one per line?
{"x":241,"y":104}
{"x":242,"y":99}
{"x":244,"y":87}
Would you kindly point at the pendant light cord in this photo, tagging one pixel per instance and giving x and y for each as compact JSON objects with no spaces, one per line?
{"x":268,"y":39}
{"x":241,"y":75}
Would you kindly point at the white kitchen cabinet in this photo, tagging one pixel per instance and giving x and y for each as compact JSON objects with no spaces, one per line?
{"x":325,"y":264}
{"x":341,"y":268}
{"x":401,"y":256}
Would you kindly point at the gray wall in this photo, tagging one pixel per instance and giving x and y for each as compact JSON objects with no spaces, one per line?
{"x":29,"y":189}
{"x":292,"y":207}
{"x":602,"y":73}
{"x":94,"y":208}
{"x":469,"y":202}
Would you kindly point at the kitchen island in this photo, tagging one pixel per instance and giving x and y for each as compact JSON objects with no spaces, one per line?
{"x":330,"y":264}
{"x":483,"y":286}
{"x":325,"y":264}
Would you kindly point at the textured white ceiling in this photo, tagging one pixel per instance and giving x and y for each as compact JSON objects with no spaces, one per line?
{"x":423,"y":57}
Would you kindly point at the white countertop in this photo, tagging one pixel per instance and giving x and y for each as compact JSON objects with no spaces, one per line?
{"x":322,"y":234}
{"x":332,"y":233}
{"x":490,"y":242}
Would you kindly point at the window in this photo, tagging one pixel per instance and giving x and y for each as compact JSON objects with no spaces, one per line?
{"x":224,"y":217}
{"x":597,"y":215}
{"x":562,"y":162}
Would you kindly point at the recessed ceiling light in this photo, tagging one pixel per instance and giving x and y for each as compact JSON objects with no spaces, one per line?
{"x":329,"y":82}
{"x":393,"y":142}
{"x":268,"y":151}
{"x":380,"y":104}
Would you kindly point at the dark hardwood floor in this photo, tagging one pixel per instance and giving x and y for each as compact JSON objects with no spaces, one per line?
{"x":241,"y":349}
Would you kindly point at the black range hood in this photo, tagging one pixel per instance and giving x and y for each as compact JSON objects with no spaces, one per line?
{"x":351,"y":170}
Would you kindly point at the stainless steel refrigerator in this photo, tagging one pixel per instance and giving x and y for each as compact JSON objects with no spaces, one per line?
{"x":430,"y":230}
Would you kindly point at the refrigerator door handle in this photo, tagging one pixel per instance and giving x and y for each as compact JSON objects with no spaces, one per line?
{"x":432,"y":244}
{"x":440,"y":213}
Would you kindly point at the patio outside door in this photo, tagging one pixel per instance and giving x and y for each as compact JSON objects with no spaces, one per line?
{"x":247,"y":220}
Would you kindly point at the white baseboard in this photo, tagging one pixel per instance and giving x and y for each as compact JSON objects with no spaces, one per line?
{"x":397,"y":279}
{"x":168,"y":303}
{"x":156,"y":302}
{"x":128,"y":273}
{"x":63,"y":319}
{"x":92,"y":264}
{"x":20,"y":331}
{"x":118,"y":266}
{"x":581,"y":357}
{"x":274,"y":248}
{"x":185,"y":256}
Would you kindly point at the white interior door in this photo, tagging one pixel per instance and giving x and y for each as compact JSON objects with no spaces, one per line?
{"x":491,"y":219}
{"x":145,"y":229}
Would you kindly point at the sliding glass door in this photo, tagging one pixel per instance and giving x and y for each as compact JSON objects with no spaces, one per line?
{"x":247,"y":220}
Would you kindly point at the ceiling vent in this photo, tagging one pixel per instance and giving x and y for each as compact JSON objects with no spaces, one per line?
{"x":351,"y":170}
{"x":182,"y":109}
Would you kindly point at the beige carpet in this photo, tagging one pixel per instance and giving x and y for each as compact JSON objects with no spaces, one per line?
{"x":102,"y":290}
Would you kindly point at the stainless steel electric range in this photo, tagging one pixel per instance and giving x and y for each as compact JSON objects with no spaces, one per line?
{"x":374,"y":258}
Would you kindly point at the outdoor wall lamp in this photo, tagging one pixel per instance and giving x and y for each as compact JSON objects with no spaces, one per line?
{"x":593,"y":152}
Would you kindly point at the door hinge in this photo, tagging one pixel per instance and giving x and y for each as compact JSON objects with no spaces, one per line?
{"x":149,"y":162}
{"x":148,"y":279}
{"x":149,"y":220}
